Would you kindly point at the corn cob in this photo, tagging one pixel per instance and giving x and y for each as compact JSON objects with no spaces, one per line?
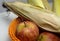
{"x":41,"y":17}
{"x":40,"y":3}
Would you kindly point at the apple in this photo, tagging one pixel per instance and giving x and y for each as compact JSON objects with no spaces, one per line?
{"x":27,"y":31}
{"x":46,"y":36}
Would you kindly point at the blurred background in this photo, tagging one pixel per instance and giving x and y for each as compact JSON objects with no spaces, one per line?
{"x":1,"y":2}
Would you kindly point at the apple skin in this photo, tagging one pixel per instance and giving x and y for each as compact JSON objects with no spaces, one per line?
{"x":28,"y":31}
{"x":46,"y":36}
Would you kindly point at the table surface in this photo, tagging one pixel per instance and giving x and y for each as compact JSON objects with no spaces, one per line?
{"x":5,"y":20}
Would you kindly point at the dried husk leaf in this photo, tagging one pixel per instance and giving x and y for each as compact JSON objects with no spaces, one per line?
{"x":43,"y":18}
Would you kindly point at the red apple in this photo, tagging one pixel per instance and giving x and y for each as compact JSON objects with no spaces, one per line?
{"x":27,"y":31}
{"x":45,"y":36}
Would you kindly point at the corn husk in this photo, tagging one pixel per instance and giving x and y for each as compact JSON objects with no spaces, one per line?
{"x":44,"y":19}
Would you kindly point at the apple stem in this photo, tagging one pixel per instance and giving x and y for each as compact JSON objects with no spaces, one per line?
{"x":23,"y":20}
{"x":24,"y":23}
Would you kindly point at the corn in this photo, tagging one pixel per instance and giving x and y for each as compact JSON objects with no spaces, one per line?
{"x":40,"y":3}
{"x":41,"y":17}
{"x":56,"y":7}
